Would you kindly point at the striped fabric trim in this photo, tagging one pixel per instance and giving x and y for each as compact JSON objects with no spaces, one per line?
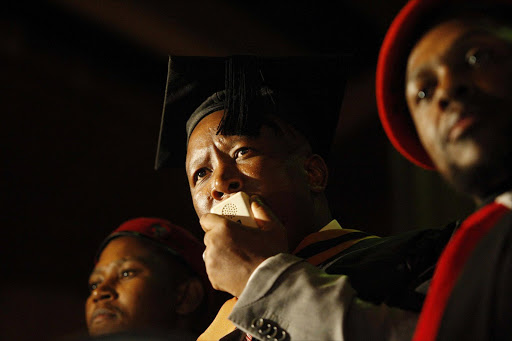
{"x":334,"y":252}
{"x":220,"y":326}
{"x":323,"y":242}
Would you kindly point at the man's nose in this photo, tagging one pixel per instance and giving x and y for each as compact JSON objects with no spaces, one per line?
{"x":104,"y":292}
{"x":455,"y":86}
{"x":227,"y":180}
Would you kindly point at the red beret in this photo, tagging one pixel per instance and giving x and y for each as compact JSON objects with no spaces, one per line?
{"x":390,"y":80}
{"x":173,"y":238}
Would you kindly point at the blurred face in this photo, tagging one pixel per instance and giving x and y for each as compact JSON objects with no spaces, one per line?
{"x":219,"y":166}
{"x":130,"y":289}
{"x":459,"y":93}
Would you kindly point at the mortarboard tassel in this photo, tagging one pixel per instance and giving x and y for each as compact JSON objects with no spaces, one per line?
{"x":243,"y":81}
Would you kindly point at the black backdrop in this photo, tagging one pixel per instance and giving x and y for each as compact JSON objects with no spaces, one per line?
{"x":81,"y":94}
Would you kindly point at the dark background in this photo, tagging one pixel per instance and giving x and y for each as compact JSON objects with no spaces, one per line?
{"x":81,"y":94}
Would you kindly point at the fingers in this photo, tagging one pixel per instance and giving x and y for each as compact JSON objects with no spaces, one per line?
{"x":217,"y":229}
{"x":233,"y":251}
{"x":209,"y":220}
{"x":264,"y":216}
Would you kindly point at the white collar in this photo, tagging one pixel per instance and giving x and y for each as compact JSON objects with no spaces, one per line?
{"x":505,"y":199}
{"x":333,"y":225}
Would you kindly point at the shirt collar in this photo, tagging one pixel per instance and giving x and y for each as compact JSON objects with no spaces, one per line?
{"x":333,"y":225}
{"x":505,"y":199}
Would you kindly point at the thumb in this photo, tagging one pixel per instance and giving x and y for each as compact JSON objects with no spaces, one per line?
{"x":263,"y":215}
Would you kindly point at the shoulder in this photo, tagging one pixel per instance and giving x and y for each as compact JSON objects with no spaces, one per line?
{"x":399,"y":264}
{"x":483,"y":290}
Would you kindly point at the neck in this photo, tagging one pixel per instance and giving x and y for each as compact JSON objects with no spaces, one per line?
{"x":482,"y":181}
{"x":323,"y":214}
{"x":492,"y":194}
{"x":321,"y":217}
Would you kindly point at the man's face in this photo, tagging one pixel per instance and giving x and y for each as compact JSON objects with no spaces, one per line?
{"x":459,"y":93}
{"x":131,"y":289}
{"x":219,"y":166}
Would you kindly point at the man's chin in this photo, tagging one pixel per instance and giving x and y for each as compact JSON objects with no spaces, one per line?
{"x":480,"y":178}
{"x":104,"y":328}
{"x":465,"y":153}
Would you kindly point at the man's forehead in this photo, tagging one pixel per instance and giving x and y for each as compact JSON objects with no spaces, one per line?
{"x":449,"y":36}
{"x":470,"y":23}
{"x":204,"y":135}
{"x":432,"y":44}
{"x":125,"y":248}
{"x":106,"y":263}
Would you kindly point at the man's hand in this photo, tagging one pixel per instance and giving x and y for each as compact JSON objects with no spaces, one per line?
{"x":234,"y":251}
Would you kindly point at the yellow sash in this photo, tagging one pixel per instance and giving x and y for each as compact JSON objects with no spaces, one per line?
{"x":220,"y":326}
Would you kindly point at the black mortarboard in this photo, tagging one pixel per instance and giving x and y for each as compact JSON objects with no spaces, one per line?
{"x":306,"y":92}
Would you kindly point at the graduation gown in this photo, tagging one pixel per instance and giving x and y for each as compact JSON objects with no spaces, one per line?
{"x":480,"y":305}
{"x":308,"y":295}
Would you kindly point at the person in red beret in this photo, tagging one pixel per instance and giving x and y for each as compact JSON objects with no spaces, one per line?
{"x":444,"y":92}
{"x":149,"y":277}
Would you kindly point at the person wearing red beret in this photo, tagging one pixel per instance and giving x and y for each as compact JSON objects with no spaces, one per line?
{"x":149,"y":277}
{"x":444,"y":92}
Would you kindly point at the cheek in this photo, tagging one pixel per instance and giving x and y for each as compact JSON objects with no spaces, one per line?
{"x":427,"y":129}
{"x":201,"y":201}
{"x":282,"y":183}
{"x":134,"y":301}
{"x":258,"y":174}
{"x":271,"y":173}
{"x":496,"y":80}
{"x":88,"y":308}
{"x":131,"y":296}
{"x":153,"y":303}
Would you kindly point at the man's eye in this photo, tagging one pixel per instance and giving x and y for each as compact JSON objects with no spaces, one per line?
{"x":423,"y":94}
{"x":93,"y":286}
{"x":477,"y":57}
{"x":241,"y":151}
{"x":128,"y":273}
{"x":201,"y":173}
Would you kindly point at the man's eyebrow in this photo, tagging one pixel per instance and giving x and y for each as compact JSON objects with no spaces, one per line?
{"x":123,"y":260}
{"x":467,"y":36}
{"x":144,"y":260}
{"x":197,"y":158}
{"x":96,"y":271}
{"x":419,"y":72}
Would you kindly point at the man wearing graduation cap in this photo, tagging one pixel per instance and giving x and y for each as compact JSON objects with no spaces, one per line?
{"x":444,"y":91}
{"x":264,"y":126}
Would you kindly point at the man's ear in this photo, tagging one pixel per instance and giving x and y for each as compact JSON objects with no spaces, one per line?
{"x":190,"y":294}
{"x":317,"y":172}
